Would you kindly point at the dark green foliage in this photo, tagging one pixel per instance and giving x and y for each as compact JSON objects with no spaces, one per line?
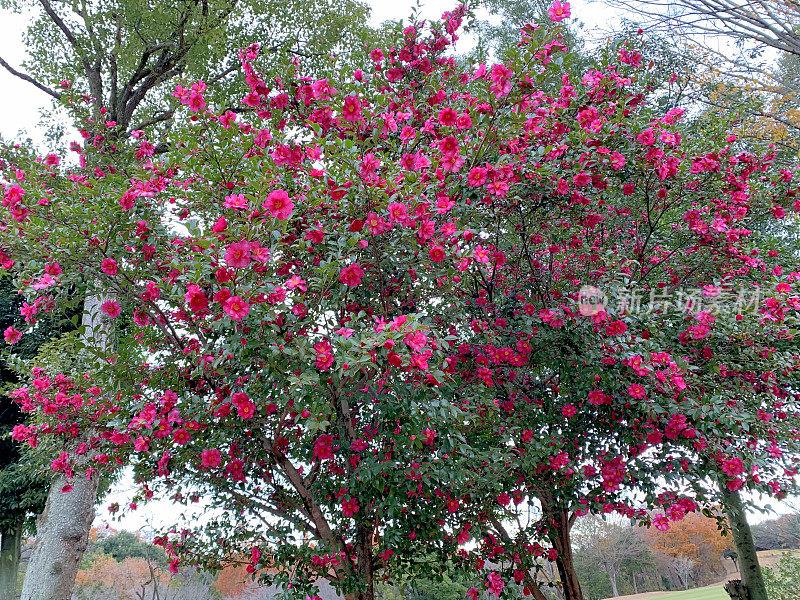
{"x":452,"y":585}
{"x":783,"y":582}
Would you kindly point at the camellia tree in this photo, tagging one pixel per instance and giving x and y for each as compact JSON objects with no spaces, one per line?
{"x":352,"y":320}
{"x":687,"y":377}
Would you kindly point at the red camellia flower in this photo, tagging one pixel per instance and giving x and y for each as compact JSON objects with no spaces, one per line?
{"x":111,"y":308}
{"x":196,"y":298}
{"x":236,"y":308}
{"x":351,"y":275}
{"x":437,"y":254}
{"x":238,"y":255}
{"x":349,"y":507}
{"x":733,"y":466}
{"x":279,"y":204}
{"x":181,"y":436}
{"x":323,"y":449}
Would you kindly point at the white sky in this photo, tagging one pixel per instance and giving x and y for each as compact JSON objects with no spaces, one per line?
{"x":21,"y":103}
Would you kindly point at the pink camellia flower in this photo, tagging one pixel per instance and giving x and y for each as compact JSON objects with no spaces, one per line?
{"x":211,"y":458}
{"x":12,"y":335}
{"x":111,"y":308}
{"x":351,"y":111}
{"x":398,"y":212}
{"x":597,"y":398}
{"x":235,"y":201}
{"x":220,"y":226}
{"x":351,"y":275}
{"x":494,"y":583}
{"x":246,"y":409}
{"x":436,"y":254}
{"x":196,"y":102}
{"x":236,"y":308}
{"x":661,"y":522}
{"x":279,"y":204}
{"x":448,"y":117}
{"x":227,"y":119}
{"x":558,"y":11}
{"x":109,"y":266}
{"x":636,"y":390}
{"x":238,"y":255}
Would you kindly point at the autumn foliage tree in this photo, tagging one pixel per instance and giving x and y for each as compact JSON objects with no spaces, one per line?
{"x":695,"y":541}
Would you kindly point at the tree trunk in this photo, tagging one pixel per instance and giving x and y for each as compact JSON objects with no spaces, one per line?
{"x":612,"y":576}
{"x":633,"y":583}
{"x":565,"y":563}
{"x":10,"y":544}
{"x":749,"y":568}
{"x":62,"y":530}
{"x":62,"y":535}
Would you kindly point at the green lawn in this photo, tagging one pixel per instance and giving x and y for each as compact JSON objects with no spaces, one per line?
{"x":708,"y":593}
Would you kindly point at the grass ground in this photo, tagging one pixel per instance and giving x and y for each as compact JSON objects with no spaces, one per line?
{"x":707,"y":593}
{"x":767,"y":558}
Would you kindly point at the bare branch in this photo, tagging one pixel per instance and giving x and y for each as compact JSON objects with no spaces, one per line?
{"x":61,"y":25}
{"x":29,"y":79}
{"x":159,"y":118}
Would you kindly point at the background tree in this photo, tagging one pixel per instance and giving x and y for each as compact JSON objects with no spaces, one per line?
{"x":747,"y":50}
{"x":781,"y":533}
{"x":115,"y":62}
{"x":618,"y":548}
{"x":695,"y":547}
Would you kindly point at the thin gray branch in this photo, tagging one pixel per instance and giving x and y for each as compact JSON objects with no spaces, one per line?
{"x":29,"y":79}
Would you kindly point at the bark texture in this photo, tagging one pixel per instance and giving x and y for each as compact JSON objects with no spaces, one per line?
{"x":62,"y":530}
{"x":750,"y":569}
{"x":561,"y":538}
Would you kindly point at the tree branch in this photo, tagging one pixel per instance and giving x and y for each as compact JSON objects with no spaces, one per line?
{"x":61,"y":25}
{"x":29,"y":79}
{"x":159,"y":118}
